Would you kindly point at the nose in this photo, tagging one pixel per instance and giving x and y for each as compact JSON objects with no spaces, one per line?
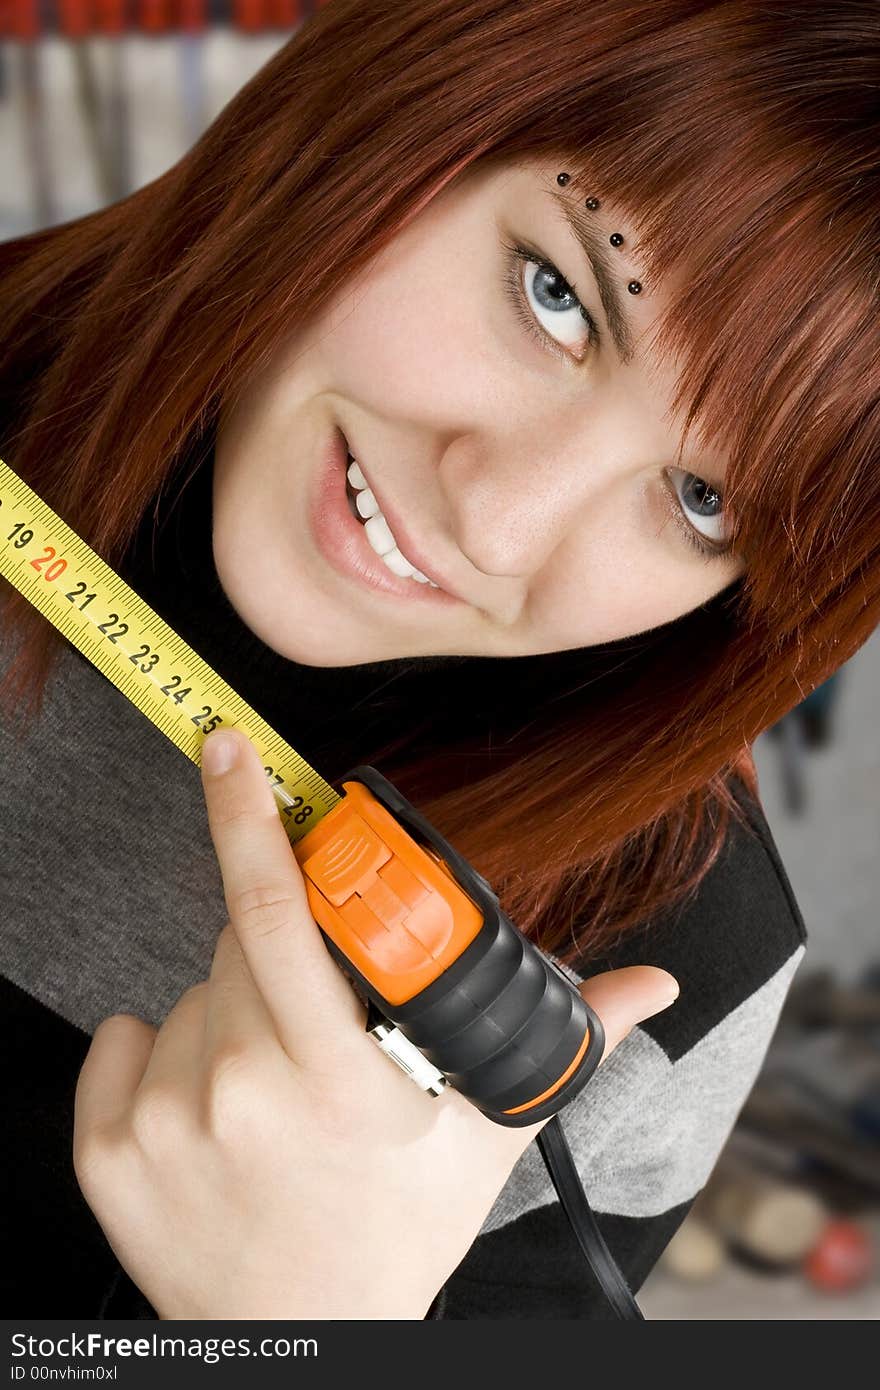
{"x":514,"y":501}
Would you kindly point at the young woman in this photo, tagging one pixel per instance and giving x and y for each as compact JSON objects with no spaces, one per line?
{"x":490,"y":395}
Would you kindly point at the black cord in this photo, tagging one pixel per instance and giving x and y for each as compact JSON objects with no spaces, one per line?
{"x":560,"y":1165}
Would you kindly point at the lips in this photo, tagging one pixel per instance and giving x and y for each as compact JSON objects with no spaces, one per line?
{"x":403,"y":538}
{"x":342,"y":540}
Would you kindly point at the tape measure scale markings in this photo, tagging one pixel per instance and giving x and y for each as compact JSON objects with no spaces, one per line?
{"x":136,"y":649}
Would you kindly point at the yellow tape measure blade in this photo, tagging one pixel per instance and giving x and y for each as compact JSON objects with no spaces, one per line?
{"x":138,"y":651}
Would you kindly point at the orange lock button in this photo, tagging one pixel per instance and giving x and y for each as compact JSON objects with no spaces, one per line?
{"x":389,"y":904}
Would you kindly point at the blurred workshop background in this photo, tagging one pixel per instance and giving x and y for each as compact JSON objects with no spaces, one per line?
{"x":97,"y":97}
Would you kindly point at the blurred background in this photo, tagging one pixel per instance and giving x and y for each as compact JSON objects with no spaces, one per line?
{"x":97,"y":97}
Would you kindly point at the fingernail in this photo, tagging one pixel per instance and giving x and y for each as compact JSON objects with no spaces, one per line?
{"x":663,"y":992}
{"x":667,"y":991}
{"x":219,"y":752}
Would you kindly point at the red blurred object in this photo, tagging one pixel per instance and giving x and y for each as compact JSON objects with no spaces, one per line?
{"x":193,"y":15}
{"x":155,"y":16}
{"x":284,"y":14}
{"x":110,"y":16}
{"x":75,"y":18}
{"x":841,"y":1259}
{"x":22,"y":19}
{"x":254,"y":16}
{"x":249,"y":15}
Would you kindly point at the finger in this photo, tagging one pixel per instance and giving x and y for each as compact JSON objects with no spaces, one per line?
{"x":622,"y":998}
{"x":236,"y":1014}
{"x":111,"y":1073}
{"x":176,"y":1059}
{"x":311,"y":1003}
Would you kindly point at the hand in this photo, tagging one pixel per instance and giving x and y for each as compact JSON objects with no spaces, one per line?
{"x":258,"y":1156}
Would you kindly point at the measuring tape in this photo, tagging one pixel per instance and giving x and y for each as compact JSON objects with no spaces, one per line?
{"x":456,"y":991}
{"x":136,"y":649}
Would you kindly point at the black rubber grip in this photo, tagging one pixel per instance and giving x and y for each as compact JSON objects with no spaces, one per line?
{"x":503,"y":1023}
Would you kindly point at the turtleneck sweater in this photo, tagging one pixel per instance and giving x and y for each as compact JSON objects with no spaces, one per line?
{"x":111,"y":901}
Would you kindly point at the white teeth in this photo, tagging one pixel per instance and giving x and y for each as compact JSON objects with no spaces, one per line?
{"x":355,"y":476}
{"x":366,"y":503}
{"x":379,"y":533}
{"x":398,"y":564}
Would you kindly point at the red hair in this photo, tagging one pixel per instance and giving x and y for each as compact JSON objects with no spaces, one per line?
{"x":742,"y":138}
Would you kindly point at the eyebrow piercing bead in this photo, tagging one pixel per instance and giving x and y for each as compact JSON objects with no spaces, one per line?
{"x":616,"y":238}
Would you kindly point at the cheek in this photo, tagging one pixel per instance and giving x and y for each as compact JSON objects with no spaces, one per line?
{"x":409,"y":346}
{"x":618,"y":586}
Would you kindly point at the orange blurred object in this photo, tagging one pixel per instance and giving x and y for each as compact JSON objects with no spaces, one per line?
{"x":841,"y":1259}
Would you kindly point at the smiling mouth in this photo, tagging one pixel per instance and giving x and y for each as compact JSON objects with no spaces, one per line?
{"x":365,"y":509}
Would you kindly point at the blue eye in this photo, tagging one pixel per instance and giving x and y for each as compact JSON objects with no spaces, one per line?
{"x":547,"y":304}
{"x":703,"y":503}
{"x":701,"y":513}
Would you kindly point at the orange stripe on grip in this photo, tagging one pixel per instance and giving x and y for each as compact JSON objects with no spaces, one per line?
{"x":557,"y":1085}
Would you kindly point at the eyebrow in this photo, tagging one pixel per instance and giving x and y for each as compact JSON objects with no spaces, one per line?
{"x":616,"y":316}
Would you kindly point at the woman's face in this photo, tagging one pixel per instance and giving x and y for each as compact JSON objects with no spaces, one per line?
{"x":512,"y":458}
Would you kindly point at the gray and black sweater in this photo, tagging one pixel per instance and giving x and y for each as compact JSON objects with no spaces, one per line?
{"x":111,"y":901}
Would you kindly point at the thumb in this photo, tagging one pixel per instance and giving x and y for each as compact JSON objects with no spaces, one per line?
{"x":622,"y":998}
